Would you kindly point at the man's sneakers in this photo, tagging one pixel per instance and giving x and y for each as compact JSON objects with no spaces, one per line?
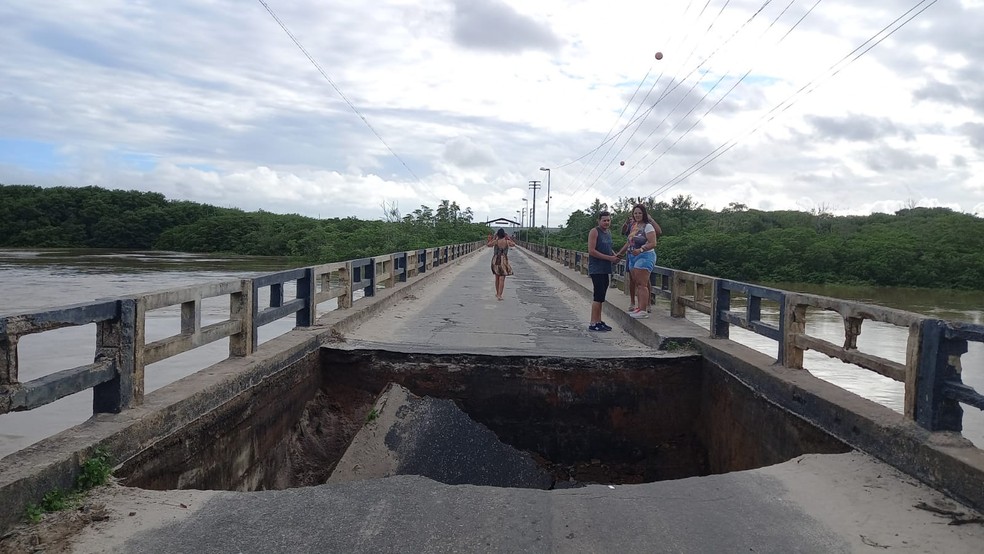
{"x":600,"y":326}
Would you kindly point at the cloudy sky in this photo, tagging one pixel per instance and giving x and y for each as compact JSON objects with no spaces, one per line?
{"x":841,"y":105}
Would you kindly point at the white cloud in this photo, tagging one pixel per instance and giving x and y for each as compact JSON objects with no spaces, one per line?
{"x":213,"y":102}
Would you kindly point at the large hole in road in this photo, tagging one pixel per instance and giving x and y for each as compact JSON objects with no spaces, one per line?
{"x":542,"y":422}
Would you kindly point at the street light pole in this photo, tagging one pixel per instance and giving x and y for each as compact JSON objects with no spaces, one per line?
{"x":547,"y":233}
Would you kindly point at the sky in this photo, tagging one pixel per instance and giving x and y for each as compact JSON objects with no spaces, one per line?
{"x":338,"y":108}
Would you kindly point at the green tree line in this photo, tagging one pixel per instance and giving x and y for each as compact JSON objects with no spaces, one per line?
{"x":93,"y":217}
{"x":914,"y":247}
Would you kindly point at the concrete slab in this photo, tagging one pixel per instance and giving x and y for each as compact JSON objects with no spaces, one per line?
{"x":816,"y":503}
{"x":541,"y":313}
{"x":659,"y":330}
{"x":412,"y":435}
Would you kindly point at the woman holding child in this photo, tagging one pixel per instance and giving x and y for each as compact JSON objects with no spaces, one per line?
{"x":641,"y":260}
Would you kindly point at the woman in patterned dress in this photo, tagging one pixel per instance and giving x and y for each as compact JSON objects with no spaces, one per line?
{"x":500,"y":244}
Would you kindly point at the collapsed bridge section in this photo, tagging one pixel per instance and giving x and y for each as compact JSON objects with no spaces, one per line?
{"x":620,"y":420}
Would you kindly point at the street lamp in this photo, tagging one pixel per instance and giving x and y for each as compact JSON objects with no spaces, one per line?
{"x":547,"y":233}
{"x":526,"y":209}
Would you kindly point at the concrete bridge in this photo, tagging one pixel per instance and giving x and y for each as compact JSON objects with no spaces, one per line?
{"x":658,"y":436}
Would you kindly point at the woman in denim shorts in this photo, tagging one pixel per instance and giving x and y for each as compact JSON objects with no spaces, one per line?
{"x":641,"y":260}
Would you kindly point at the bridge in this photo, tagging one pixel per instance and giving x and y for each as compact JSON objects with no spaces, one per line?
{"x":671,"y":434}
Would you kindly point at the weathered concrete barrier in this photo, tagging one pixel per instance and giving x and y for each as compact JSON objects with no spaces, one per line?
{"x":934,"y":390}
{"x":941,"y":458}
{"x":219,"y":394}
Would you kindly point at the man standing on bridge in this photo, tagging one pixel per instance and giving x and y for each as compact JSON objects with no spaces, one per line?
{"x":600,"y":259}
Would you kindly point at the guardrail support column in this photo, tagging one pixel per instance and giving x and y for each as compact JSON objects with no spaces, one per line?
{"x":241,"y":309}
{"x":139,"y":341}
{"x":794,"y":323}
{"x":934,"y":410}
{"x":912,"y":370}
{"x":115,"y":341}
{"x":677,"y":290}
{"x":720,"y":301}
{"x":306,"y":291}
{"x":8,"y":360}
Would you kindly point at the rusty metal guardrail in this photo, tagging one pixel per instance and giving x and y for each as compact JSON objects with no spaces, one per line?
{"x":934,"y":391}
{"x":122,"y":354}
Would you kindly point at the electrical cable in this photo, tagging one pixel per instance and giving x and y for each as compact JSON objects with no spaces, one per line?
{"x":791,"y":100}
{"x":342,"y":95}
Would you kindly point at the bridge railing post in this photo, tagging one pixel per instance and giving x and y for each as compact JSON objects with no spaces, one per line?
{"x":935,"y":410}
{"x":793,"y":324}
{"x":241,"y":309}
{"x":139,"y":342}
{"x":720,"y":302}
{"x":677,"y":291}
{"x":114,"y":341}
{"x":8,"y":359}
{"x":306,"y":291}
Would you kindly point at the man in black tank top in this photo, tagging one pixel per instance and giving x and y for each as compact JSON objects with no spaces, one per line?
{"x":601,"y":256}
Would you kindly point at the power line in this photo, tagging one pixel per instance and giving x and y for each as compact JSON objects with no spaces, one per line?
{"x":706,"y":94}
{"x":676,"y":84}
{"x":789,"y":101}
{"x":609,"y":138}
{"x":342,"y":94}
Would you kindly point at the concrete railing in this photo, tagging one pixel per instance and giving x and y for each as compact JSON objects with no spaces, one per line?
{"x":117,"y":374}
{"x":934,"y":390}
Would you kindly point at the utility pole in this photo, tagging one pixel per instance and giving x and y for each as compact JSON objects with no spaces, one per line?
{"x":534,"y":186}
{"x":546,"y":235}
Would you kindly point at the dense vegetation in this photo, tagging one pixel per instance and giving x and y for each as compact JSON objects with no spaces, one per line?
{"x":93,"y":217}
{"x":915,"y":247}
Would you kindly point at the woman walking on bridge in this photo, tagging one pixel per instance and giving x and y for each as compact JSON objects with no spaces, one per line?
{"x":500,"y":244}
{"x":641,"y":248}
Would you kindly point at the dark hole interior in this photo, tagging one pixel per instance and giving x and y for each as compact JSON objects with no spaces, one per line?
{"x":615,"y":421}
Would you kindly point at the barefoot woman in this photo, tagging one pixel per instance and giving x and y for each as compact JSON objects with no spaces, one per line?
{"x":500,"y":244}
{"x":642,"y":257}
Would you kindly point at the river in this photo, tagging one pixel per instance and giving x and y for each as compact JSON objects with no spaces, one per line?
{"x":35,"y":279}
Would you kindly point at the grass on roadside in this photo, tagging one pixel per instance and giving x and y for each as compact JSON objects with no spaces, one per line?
{"x":95,"y":471}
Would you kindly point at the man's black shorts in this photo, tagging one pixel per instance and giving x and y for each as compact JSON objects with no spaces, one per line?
{"x":600,"y":281}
